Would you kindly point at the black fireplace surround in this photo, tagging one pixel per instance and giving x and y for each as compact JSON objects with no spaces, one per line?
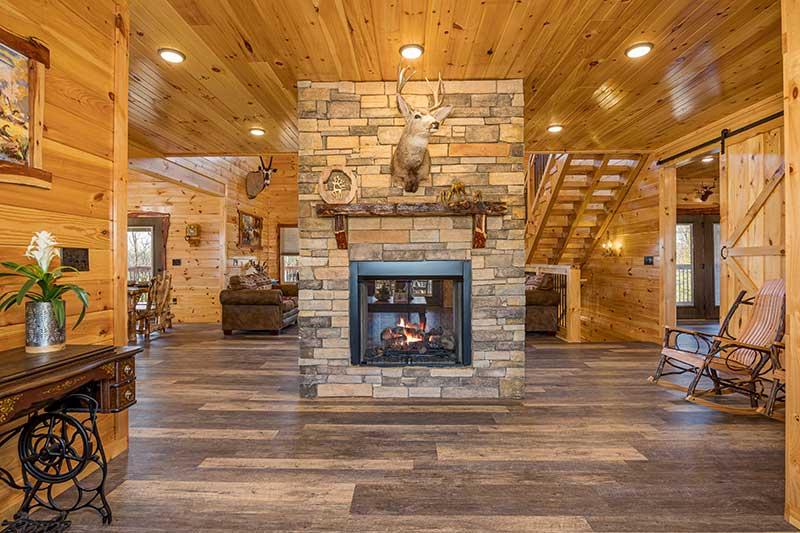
{"x":411,"y":313}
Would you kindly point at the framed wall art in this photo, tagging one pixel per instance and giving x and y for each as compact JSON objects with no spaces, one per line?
{"x":250,"y":229}
{"x":22,"y":66}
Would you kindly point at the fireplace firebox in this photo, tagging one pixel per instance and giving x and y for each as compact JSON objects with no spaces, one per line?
{"x":410,"y":313}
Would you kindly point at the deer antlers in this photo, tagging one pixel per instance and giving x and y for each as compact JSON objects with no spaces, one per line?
{"x":405,"y":73}
{"x":438,"y":93}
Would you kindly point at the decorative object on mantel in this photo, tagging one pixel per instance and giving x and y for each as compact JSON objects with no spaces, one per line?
{"x":478,"y":210}
{"x":411,"y":161}
{"x":22,"y":67}
{"x":258,"y":180}
{"x":250,"y":228}
{"x":193,"y":234}
{"x":458,"y":199}
{"x":337,"y":185}
{"x":45,"y":313}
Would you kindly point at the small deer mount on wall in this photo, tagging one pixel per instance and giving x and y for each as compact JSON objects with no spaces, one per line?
{"x":258,"y":180}
{"x":411,"y":161}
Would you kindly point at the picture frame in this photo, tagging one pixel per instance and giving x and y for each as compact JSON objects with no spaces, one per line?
{"x":23,"y":62}
{"x":251,"y":228}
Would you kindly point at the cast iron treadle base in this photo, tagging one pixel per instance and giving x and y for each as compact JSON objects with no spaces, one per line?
{"x":28,"y":525}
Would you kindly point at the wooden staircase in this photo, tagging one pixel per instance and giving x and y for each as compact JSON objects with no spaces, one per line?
{"x":576,"y":198}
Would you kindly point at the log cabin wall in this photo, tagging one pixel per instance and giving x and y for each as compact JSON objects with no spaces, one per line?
{"x":621,"y":297}
{"x":197,"y":280}
{"x":277,"y":204}
{"x":85,"y":148}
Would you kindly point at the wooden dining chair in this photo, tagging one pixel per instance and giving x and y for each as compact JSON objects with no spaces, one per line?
{"x":145,"y":311}
{"x":742,"y":364}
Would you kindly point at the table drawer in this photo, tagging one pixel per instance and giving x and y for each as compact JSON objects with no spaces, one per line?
{"x":121,"y":396}
{"x":122,"y":370}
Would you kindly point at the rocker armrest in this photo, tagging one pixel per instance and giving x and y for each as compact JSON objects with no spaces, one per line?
{"x":669,"y":330}
{"x":726,"y":342}
{"x":676,"y":329}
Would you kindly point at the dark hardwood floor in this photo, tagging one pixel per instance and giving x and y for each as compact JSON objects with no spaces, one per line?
{"x":221,"y":442}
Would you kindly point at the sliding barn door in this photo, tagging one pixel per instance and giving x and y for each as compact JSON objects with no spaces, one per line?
{"x":751,"y":215}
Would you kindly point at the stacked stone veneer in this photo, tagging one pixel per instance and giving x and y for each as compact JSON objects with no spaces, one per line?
{"x":357,"y":125}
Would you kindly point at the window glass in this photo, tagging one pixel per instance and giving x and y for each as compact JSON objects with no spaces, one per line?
{"x":140,"y":254}
{"x":684,"y":285}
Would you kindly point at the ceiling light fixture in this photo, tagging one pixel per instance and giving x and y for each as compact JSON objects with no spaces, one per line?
{"x":257,"y":132}
{"x":708,"y":159}
{"x":411,"y":51}
{"x":170,"y":55}
{"x":639,"y":50}
{"x":555,"y":128}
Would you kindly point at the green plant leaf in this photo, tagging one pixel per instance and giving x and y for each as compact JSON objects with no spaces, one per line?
{"x":24,"y":290}
{"x":83,"y":296}
{"x":60,"y":311}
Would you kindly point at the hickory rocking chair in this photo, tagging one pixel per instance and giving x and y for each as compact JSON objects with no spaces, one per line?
{"x":734,"y":365}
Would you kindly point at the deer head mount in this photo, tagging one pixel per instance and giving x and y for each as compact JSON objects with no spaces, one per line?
{"x":258,"y":180}
{"x":411,"y":162}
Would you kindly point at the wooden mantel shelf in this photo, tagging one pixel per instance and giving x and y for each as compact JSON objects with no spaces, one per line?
{"x":479,"y":212}
{"x":410,"y":210}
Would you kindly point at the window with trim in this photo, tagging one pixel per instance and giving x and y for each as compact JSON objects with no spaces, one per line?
{"x":140,"y":254}
{"x":289,"y":238}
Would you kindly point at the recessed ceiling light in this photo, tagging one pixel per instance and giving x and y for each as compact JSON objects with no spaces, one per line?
{"x":639,"y":50}
{"x":411,"y":51}
{"x":257,"y":132}
{"x":170,"y":55}
{"x":708,"y":159}
{"x":555,"y":128}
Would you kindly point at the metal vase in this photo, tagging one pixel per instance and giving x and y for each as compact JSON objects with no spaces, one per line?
{"x":42,"y":332}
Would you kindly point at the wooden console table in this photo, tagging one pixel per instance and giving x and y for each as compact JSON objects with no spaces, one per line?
{"x":61,"y":394}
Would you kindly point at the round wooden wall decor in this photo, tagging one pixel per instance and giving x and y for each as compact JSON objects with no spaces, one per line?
{"x":337,"y":185}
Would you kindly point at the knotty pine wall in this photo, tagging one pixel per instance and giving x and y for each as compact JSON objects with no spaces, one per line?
{"x":196,"y":283}
{"x":85,"y":145}
{"x":621,"y":296}
{"x":277,"y":204}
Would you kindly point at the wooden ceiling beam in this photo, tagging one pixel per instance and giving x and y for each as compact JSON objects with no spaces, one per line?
{"x":164,"y":169}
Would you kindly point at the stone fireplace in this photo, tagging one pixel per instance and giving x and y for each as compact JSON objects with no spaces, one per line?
{"x":410,"y":308}
{"x":411,"y":313}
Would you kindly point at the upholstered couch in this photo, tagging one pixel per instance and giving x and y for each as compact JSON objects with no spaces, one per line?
{"x":253,"y":303}
{"x":541,"y":305}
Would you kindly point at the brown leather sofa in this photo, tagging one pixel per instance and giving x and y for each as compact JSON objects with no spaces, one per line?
{"x":270,"y":308}
{"x":541,"y":304}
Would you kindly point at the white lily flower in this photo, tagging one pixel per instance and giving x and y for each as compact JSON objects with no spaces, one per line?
{"x":43,"y":249}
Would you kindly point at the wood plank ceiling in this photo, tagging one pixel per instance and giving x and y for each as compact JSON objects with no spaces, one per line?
{"x":244,"y":57}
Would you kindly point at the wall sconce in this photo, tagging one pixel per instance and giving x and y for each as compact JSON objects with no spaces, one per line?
{"x":612,"y":248}
{"x":193,"y":234}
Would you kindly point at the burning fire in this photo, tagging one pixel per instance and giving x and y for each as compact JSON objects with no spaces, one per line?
{"x":411,"y":331}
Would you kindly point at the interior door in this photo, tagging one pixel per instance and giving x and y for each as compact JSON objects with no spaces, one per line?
{"x":697,"y":272}
{"x":752,"y":214}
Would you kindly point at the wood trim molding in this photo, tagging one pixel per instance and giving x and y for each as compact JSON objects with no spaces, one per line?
{"x":667,"y":221}
{"x":790,"y":19}
{"x":119,"y":214}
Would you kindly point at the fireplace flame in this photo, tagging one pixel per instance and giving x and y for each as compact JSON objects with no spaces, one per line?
{"x":411,"y":331}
